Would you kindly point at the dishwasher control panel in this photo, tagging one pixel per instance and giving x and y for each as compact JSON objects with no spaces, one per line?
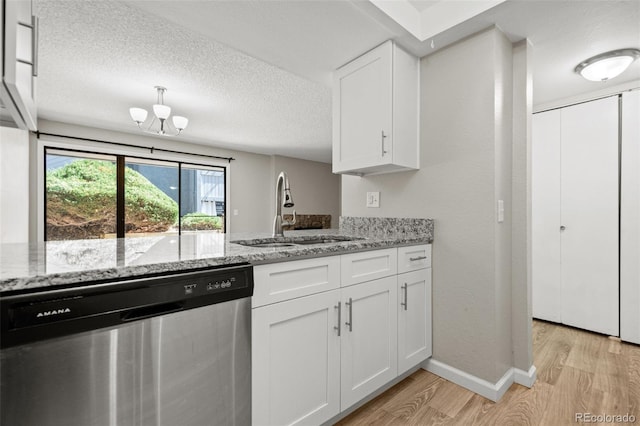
{"x":33,"y":316}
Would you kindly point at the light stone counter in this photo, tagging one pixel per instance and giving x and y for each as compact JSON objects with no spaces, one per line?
{"x":66,"y":263}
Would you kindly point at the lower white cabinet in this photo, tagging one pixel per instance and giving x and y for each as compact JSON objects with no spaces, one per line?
{"x":414,"y":318}
{"x":317,"y":355}
{"x":369,"y":338}
{"x":296,"y":361}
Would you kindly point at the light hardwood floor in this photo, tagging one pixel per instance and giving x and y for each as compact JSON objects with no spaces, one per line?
{"x":578,"y":372}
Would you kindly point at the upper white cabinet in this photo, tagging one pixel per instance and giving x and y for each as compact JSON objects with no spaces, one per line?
{"x":20,"y":42}
{"x":375,"y":113}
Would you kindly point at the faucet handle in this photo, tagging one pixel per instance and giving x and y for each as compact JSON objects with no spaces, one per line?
{"x":293,"y":221}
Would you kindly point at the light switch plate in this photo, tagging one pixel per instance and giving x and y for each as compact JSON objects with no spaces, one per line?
{"x":373,"y":199}
{"x":500,"y":211}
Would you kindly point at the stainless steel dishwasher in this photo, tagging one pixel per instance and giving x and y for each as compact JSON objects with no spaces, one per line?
{"x":162,"y":351}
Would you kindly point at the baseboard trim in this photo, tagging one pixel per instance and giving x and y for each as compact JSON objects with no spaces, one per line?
{"x":525,"y":378}
{"x":492,"y":391}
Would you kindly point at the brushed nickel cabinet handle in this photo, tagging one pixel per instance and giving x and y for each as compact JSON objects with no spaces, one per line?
{"x":338,"y":307}
{"x":413,"y":259}
{"x":405,"y":288}
{"x":35,"y":27}
{"x":350,"y":323}
{"x":382,"y":143}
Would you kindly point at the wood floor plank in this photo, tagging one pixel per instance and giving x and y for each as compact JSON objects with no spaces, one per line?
{"x":369,"y":409}
{"x":569,"y":396}
{"x":578,"y":372}
{"x":473,"y":412}
{"x":450,"y":398}
{"x":520,"y":406}
{"x":586,"y":351}
{"x":407,"y":402}
{"x":632,"y":357}
{"x":550,"y":358}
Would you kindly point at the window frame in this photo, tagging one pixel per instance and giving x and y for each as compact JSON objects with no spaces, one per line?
{"x":99,"y":148}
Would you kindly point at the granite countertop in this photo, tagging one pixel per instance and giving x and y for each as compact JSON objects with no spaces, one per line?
{"x":26,"y":267}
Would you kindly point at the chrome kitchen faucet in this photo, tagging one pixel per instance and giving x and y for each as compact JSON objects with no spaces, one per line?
{"x":282,"y":186}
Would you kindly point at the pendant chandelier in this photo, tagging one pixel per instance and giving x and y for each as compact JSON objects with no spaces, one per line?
{"x":161,"y":113}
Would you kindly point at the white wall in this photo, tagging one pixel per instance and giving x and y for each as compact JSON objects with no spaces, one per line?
{"x":521,"y":302}
{"x":315,"y":190}
{"x":251,"y":175}
{"x":14,"y":185}
{"x":466,"y":158}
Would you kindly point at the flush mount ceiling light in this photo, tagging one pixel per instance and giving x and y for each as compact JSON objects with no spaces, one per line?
{"x":607,"y":65}
{"x":161,"y":112}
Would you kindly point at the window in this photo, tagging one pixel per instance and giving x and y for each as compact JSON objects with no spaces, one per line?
{"x":94,"y":195}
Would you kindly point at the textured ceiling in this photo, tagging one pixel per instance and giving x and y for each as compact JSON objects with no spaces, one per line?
{"x":98,"y":58}
{"x":255,"y":75}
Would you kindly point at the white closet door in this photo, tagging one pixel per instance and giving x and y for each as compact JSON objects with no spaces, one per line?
{"x":589,"y":213}
{"x":630,"y":219}
{"x":545,"y":224}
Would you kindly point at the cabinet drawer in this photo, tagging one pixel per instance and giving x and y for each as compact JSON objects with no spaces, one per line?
{"x":366,"y":266}
{"x":282,"y":281}
{"x":413,"y":258}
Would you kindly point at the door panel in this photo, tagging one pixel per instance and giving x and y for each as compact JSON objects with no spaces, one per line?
{"x":630,"y":220}
{"x":589,"y":211}
{"x":545,"y":217}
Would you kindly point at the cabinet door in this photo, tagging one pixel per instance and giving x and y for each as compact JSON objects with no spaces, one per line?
{"x":589,"y":208}
{"x":414,"y":318}
{"x":20,"y":56}
{"x":630,"y":220}
{"x":296,"y":361}
{"x":369,"y":338}
{"x":362,"y":108}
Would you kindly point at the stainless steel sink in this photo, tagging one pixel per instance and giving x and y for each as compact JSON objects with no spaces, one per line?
{"x":324,"y":241}
{"x":295,"y":241}
{"x":267,"y":244}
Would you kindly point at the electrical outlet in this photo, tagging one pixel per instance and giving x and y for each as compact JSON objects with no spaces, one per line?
{"x":373,"y":199}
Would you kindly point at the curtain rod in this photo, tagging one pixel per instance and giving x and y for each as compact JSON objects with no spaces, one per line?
{"x":38,"y":134}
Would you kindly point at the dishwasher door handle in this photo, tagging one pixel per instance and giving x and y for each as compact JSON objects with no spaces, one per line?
{"x":150,"y":311}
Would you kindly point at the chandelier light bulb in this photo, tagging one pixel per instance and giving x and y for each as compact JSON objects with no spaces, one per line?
{"x":162,"y":111}
{"x":180,"y":122}
{"x":138,"y":115}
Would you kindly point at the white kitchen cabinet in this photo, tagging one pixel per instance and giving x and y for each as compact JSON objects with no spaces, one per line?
{"x":296,"y":361}
{"x":284,"y":281}
{"x":375,"y":113}
{"x":369,"y":338}
{"x":414,"y":318}
{"x":575,"y":215}
{"x":18,"y":88}
{"x":413,"y":258}
{"x":630,"y":219}
{"x":366,"y":266}
{"x":337,"y":336}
